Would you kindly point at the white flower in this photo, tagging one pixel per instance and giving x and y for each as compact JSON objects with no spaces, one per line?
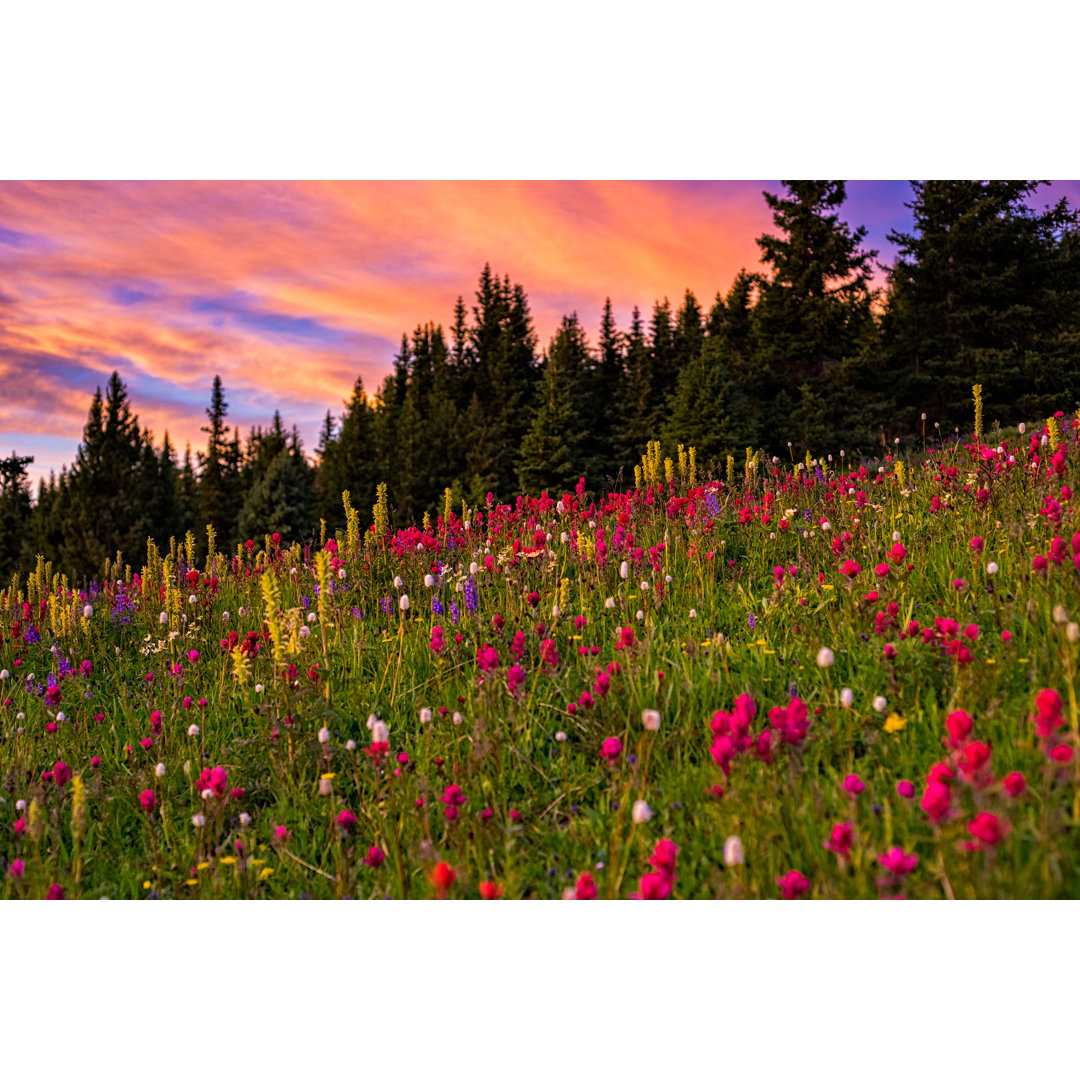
{"x":380,"y":732}
{"x":1022,"y":428}
{"x":896,"y":536}
{"x":825,"y":657}
{"x":241,"y":611}
{"x":207,"y":793}
{"x":398,"y":583}
{"x":548,"y":537}
{"x":159,"y":769}
{"x":624,"y":570}
{"x":880,"y":704}
{"x":1044,"y":441}
{"x":825,"y":526}
{"x":5,"y":674}
{"x":198,"y":820}
{"x":245,"y":819}
{"x":693,"y":613}
{"x":429,"y":581}
{"x":592,"y":524}
{"x":459,"y":719}
{"x":61,"y":718}
{"x":641,"y":812}
{"x":193,"y":730}
{"x":560,"y":508}
{"x":324,"y":735}
{"x":372,"y":720}
{"x":563,"y":537}
{"x":668,"y":579}
{"x":20,"y":804}
{"x":258,"y":688}
{"x":555,"y":613}
{"x":569,"y":893}
{"x":87,"y":611}
{"x":163,"y":618}
{"x":305,"y":632}
{"x":847,"y":698}
{"x":403,"y":602}
{"x":644,"y":586}
{"x":20,"y":716}
{"x":639,"y":616}
{"x":311,"y":616}
{"x":425,"y":716}
{"x":350,"y":745}
{"x":651,"y":719}
{"x":560,"y":736}
{"x":1060,"y":614}
{"x":474,"y":568}
{"x":1072,"y":632}
{"x":224,"y":616}
{"x":192,"y":599}
{"x":324,"y":785}
{"x":341,"y":574}
{"x":733,"y":851}
{"x":609,"y":603}
{"x":991,"y":567}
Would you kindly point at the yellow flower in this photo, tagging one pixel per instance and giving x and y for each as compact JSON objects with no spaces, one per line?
{"x":328,"y":776}
{"x":257,"y":862}
{"x":146,"y":884}
{"x":894,"y":722}
{"x":227,"y":860}
{"x":204,"y":866}
{"x":265,"y":872}
{"x":192,"y":881}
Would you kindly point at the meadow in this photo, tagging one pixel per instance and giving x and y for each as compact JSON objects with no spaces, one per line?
{"x":835,"y":678}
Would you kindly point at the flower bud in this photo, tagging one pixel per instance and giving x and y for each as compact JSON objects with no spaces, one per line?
{"x":733,"y":851}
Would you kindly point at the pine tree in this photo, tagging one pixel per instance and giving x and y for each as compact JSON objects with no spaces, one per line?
{"x":217,"y":489}
{"x":812,"y":310}
{"x":979,"y":293}
{"x":551,"y":454}
{"x":15,"y":512}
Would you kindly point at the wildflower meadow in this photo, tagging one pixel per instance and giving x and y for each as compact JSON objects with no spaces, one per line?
{"x":827,"y":678}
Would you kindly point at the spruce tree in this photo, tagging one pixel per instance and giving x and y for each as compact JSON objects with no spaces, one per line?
{"x":15,"y":512}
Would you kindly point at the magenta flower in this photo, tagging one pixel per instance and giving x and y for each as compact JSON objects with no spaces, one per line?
{"x":515,"y":677}
{"x":897,"y":862}
{"x":853,"y":785}
{"x":611,"y":749}
{"x":487,"y":658}
{"x":148,"y":800}
{"x":905,"y":789}
{"x":792,"y":885}
{"x":61,"y":774}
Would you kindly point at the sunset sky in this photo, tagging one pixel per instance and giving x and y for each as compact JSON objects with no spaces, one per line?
{"x":291,"y":290}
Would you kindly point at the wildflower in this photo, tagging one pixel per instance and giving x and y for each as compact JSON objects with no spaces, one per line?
{"x":61,"y":774}
{"x":733,"y":851}
{"x":897,"y":862}
{"x":853,"y":785}
{"x":345,"y":820}
{"x":515,"y":677}
{"x":560,"y":736}
{"x":56,"y":892}
{"x":403,"y":602}
{"x":609,"y":603}
{"x":958,"y":723}
{"x":847,"y":698}
{"x":655,"y":887}
{"x":324,"y":735}
{"x":905,"y":789}
{"x":792,"y":885}
{"x":454,"y":799}
{"x":935,"y":800}
{"x":198,"y":820}
{"x":148,"y":800}
{"x":159,"y":769}
{"x":641,"y":812}
{"x":489,"y":890}
{"x":442,"y":877}
{"x":380,"y":733}
{"x":193,"y":730}
{"x":841,"y":839}
{"x":825,"y":657}
{"x":425,"y":716}
{"x":1015,"y":784}
{"x":585,"y":888}
{"x":987,"y":829}
{"x":650,"y":719}
{"x":87,"y":611}
{"x":880,"y":704}
{"x":17,"y":868}
{"x":611,"y":749}
{"x":991,"y":567}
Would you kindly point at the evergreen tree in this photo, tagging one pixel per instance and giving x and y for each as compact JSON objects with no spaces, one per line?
{"x":282,"y":500}
{"x":981,"y":292}
{"x":217,"y":490}
{"x":551,"y":454}
{"x":15,"y":511}
{"x":812,"y":310}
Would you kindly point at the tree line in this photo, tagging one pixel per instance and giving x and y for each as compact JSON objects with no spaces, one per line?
{"x":803,"y":352}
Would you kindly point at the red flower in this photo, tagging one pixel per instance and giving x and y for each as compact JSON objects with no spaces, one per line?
{"x":374,"y":858}
{"x":61,"y":774}
{"x":841,"y":839}
{"x":655,"y":887}
{"x":1015,"y":784}
{"x":442,"y":877}
{"x":897,"y":862}
{"x":936,"y":800}
{"x":490,"y":891}
{"x":148,"y":800}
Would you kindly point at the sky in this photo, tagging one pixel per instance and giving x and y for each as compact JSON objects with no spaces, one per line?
{"x":290,"y":291}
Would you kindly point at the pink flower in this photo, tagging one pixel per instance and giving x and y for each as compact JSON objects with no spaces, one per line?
{"x":792,"y":885}
{"x":897,"y":862}
{"x":853,"y":785}
{"x":148,"y":800}
{"x":958,"y":723}
{"x":345,"y":820}
{"x":281,"y":833}
{"x":976,"y":543}
{"x":374,"y":858}
{"x":897,"y":553}
{"x":56,"y":892}
{"x":1061,"y":755}
{"x":1015,"y":784}
{"x":454,"y":800}
{"x":17,"y":868}
{"x":987,"y":829}
{"x":61,"y":774}
{"x":663,"y":858}
{"x":20,"y":826}
{"x":549,"y":655}
{"x":611,"y":749}
{"x":515,"y":677}
{"x":841,"y":839}
{"x":586,"y":887}
{"x":214,"y":779}
{"x":790,"y":721}
{"x":905,"y":789}
{"x":655,"y":887}
{"x":935,"y":800}
{"x":487,"y":658}
{"x":882,"y":570}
